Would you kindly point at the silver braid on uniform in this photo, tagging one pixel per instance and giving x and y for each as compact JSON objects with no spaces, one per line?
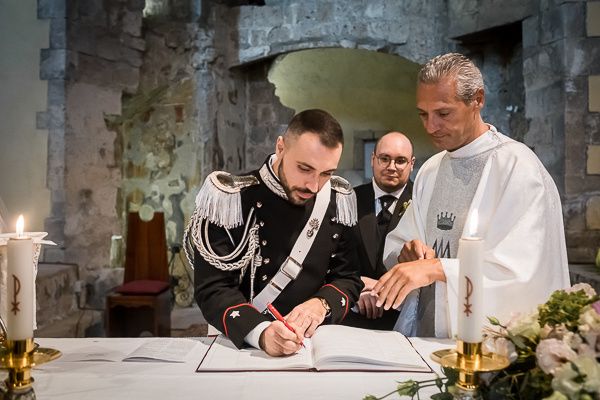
{"x":248,"y":247}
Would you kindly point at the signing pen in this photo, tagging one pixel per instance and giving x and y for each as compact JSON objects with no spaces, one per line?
{"x":279,"y":317}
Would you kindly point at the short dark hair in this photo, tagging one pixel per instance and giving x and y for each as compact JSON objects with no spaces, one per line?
{"x":319,"y":122}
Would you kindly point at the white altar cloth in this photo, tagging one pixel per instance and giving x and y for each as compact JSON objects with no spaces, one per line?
{"x":162,"y":380}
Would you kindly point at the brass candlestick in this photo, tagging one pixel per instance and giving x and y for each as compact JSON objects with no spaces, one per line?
{"x":469,"y":361}
{"x":18,"y":357}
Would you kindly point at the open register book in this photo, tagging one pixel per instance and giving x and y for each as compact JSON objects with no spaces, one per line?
{"x":332,"y":348}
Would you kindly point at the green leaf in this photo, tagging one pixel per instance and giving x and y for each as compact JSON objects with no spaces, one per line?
{"x":407,"y":388}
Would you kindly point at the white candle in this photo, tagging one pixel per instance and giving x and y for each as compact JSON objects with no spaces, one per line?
{"x":19,"y":282}
{"x":470,"y":285}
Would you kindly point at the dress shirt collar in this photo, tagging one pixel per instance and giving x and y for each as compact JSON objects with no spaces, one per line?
{"x":379,"y":192}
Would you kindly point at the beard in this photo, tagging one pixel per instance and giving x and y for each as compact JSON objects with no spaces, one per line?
{"x":291,"y":191}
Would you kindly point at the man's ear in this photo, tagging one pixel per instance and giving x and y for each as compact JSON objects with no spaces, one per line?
{"x":479,"y":99}
{"x":279,"y":146}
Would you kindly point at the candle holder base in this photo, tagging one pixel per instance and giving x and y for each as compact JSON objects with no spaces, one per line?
{"x":18,"y":357}
{"x":467,"y":359}
{"x":449,"y":358}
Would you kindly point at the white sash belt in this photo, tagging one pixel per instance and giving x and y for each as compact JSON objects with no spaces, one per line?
{"x":292,"y":266}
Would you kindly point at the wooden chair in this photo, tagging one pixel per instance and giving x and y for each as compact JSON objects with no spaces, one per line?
{"x":143,"y":302}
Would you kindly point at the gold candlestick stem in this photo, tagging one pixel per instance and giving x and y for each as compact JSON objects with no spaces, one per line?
{"x":19,"y":357}
{"x":19,"y":360}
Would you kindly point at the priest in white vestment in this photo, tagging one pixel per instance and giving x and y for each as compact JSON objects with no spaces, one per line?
{"x":520,"y":214}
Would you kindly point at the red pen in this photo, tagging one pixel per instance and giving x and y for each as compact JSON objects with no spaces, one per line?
{"x":279,"y":317}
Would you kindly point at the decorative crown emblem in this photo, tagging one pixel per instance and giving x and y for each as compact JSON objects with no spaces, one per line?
{"x":445,"y":222}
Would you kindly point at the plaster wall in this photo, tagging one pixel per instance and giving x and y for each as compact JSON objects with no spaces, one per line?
{"x":23,"y":148}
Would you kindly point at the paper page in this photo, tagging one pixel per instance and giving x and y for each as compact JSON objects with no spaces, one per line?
{"x":153,"y":349}
{"x":224,"y":356}
{"x":343,"y":347}
{"x":163,"y":349}
{"x":93,"y":353}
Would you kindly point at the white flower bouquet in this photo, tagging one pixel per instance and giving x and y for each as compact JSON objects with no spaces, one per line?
{"x":554,"y":353}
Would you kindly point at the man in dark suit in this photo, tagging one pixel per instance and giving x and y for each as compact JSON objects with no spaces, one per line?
{"x":381,"y":204}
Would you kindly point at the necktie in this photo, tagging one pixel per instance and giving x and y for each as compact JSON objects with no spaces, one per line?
{"x":384,"y":217}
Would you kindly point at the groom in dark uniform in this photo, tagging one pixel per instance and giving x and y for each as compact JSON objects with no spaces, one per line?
{"x":381,"y":204}
{"x":280,"y":235}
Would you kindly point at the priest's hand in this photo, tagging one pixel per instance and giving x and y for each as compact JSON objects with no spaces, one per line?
{"x":401,"y":279}
{"x":306,"y":317}
{"x":278,"y":340}
{"x":367,"y":302}
{"x":415,"y":250}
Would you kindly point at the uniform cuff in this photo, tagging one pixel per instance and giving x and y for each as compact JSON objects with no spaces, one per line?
{"x":253,"y":337}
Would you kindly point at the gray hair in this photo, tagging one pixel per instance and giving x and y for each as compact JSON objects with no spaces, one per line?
{"x":468,"y":77}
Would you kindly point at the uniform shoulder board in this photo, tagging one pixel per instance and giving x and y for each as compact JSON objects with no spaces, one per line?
{"x":345,"y":199}
{"x":219,"y":200}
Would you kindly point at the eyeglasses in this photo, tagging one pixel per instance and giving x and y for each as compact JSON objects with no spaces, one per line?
{"x":384,"y":161}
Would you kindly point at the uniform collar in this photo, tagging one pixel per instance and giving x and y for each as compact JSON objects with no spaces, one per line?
{"x":270,"y":179}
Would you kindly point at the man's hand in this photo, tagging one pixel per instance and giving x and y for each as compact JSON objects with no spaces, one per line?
{"x":367,"y":305}
{"x":367,"y":301}
{"x":415,"y":250}
{"x":278,"y":340}
{"x":400,"y":280}
{"x":306,"y":317}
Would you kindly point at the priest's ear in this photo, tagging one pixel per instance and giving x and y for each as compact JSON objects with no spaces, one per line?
{"x":479,"y":99}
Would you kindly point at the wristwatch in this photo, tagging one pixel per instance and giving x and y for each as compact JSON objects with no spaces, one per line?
{"x":325,"y":305}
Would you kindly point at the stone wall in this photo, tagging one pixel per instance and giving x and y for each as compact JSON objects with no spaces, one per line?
{"x":581,"y":55}
{"x":266,"y":118}
{"x":105,"y":49}
{"x":157,"y":129}
{"x":54,"y":69}
{"x":140,"y":111}
{"x":394,"y":27}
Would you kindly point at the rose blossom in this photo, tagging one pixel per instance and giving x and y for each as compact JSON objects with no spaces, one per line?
{"x":589,"y":291}
{"x":525,"y":325}
{"x":552,"y":353}
{"x":501,"y":346}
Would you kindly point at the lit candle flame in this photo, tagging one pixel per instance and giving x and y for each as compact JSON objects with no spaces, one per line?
{"x":473,"y":222}
{"x":20,"y":225}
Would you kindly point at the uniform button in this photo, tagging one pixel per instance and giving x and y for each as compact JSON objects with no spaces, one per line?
{"x":333,"y":255}
{"x":264,"y":278}
{"x":333,"y":219}
{"x":328,"y":271}
{"x":264,"y":242}
{"x":336,"y":235}
{"x":267,"y":260}
{"x":261,"y":223}
{"x":258,"y":204}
